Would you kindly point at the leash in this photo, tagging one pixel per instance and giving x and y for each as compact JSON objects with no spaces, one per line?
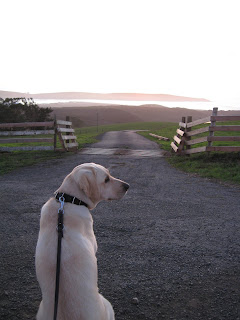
{"x":60,"y":228}
{"x":62,"y":198}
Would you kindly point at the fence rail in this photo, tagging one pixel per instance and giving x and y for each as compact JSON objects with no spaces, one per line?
{"x":183,"y":142}
{"x":27,"y":124}
{"x":57,"y":128}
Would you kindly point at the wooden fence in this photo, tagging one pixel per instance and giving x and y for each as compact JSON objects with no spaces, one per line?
{"x":58,"y":128}
{"x":183,"y":143}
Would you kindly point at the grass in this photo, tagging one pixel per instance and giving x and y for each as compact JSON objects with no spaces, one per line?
{"x":17,"y":159}
{"x":10,"y":161}
{"x":221,"y":166}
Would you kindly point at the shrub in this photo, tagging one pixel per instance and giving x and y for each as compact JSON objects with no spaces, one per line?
{"x":13,"y":110}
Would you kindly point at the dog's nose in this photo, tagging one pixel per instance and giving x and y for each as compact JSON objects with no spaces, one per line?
{"x":126,"y":186}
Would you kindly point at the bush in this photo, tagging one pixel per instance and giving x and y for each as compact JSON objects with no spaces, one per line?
{"x":13,"y":110}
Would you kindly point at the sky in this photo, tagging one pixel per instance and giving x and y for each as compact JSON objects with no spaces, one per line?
{"x":181,"y":47}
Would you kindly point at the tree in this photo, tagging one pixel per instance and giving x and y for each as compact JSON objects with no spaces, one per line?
{"x":13,"y":110}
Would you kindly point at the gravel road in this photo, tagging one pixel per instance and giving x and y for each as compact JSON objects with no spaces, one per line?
{"x":127,"y":139}
{"x":168,"y":250}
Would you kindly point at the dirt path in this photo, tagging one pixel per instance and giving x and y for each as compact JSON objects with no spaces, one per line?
{"x":168,"y":250}
{"x":127,"y":143}
{"x":127,"y":139}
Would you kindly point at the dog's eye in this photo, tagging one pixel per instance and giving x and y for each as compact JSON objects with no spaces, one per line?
{"x":107,"y":179}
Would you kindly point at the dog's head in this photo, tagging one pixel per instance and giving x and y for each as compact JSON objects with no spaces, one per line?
{"x":97,"y":183}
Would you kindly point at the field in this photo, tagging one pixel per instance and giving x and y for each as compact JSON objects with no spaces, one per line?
{"x":221,"y":166}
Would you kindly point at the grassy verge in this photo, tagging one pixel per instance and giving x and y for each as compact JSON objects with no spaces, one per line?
{"x":17,"y":159}
{"x":221,"y":166}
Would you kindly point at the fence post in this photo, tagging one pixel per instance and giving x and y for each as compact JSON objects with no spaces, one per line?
{"x":213,"y":123}
{"x":189,"y":119}
{"x":67,"y":133}
{"x":55,"y":133}
{"x":181,"y":146}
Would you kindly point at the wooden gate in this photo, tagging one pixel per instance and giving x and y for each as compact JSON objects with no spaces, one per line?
{"x":46,"y":132}
{"x":66,"y":135}
{"x":205,"y":135}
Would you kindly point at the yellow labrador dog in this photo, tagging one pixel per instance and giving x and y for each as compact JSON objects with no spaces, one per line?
{"x":79,"y":298}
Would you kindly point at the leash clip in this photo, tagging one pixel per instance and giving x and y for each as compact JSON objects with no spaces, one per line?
{"x":61,"y":200}
{"x":60,"y":226}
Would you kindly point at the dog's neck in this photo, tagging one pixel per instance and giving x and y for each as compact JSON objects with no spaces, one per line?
{"x":69,"y":187}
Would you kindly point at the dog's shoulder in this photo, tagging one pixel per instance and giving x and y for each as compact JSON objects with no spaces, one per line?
{"x":49,"y":213}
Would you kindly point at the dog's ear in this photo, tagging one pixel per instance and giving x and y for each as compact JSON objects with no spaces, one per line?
{"x":86,"y":180}
{"x":82,"y":177}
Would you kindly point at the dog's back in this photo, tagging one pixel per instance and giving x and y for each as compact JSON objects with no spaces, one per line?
{"x":78,"y":294}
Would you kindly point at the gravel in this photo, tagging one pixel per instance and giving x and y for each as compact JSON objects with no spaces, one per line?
{"x":168,"y":250}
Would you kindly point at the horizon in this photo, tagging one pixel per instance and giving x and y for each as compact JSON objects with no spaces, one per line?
{"x":101,"y":93}
{"x":180,"y":48}
{"x":109,"y":97}
{"x":87,"y":99}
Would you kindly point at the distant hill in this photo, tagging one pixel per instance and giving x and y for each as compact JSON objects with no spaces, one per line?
{"x":111,"y":114}
{"x":11,"y":94}
{"x":101,"y":96}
